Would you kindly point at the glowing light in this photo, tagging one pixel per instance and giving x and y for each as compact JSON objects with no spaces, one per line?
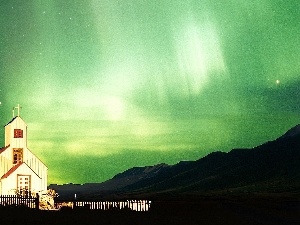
{"x":199,"y":53}
{"x":113,"y":107}
{"x":140,"y":76}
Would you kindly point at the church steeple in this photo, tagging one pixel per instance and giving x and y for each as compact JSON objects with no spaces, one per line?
{"x":18,"y":107}
{"x":16,"y":131}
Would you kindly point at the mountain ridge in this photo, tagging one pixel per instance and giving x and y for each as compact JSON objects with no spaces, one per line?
{"x":270,"y":167}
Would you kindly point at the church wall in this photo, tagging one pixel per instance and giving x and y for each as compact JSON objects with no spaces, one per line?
{"x":5,"y":161}
{"x":11,"y":181}
{"x":7,"y":185}
{"x":7,"y":135}
{"x":18,"y":123}
{"x":35,"y":164}
{"x":45,"y":180}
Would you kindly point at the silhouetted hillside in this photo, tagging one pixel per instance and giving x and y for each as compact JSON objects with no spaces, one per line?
{"x":271,"y":167}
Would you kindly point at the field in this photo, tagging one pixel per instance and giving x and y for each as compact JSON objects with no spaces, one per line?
{"x":206,"y":210}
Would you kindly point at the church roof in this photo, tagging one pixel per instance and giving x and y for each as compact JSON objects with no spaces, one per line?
{"x":14,"y":168}
{"x":4,"y":148}
{"x":11,"y":120}
{"x":11,"y":170}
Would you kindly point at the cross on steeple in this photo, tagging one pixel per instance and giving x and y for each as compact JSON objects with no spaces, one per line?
{"x":16,"y":107}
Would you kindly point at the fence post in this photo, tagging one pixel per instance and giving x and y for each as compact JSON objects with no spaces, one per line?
{"x":37,"y":201}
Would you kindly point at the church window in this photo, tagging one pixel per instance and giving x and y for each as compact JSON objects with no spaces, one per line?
{"x":17,"y":155}
{"x":18,"y":133}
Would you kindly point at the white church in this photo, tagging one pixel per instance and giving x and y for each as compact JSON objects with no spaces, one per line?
{"x":21,"y":172}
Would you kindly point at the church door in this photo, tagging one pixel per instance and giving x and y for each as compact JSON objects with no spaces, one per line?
{"x":24,"y":184}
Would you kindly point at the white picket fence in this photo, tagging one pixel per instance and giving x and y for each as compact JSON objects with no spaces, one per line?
{"x":134,"y":205}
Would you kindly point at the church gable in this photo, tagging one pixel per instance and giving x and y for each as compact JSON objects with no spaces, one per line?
{"x":10,"y":157}
{"x":21,"y":178}
{"x":11,"y":121}
{"x":13,"y":169}
{"x":21,"y":168}
{"x":16,"y":132}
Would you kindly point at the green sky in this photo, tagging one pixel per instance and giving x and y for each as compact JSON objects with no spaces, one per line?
{"x":106,"y":85}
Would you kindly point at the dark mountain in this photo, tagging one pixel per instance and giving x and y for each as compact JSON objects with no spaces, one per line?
{"x":294,"y":132}
{"x":271,"y":167}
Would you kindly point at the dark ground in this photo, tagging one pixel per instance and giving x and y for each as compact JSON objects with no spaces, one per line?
{"x":240,"y":210}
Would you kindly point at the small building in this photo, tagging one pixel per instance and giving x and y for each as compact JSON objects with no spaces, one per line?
{"x":21,"y":171}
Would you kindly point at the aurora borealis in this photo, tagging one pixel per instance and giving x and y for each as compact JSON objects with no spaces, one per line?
{"x":106,"y":85}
